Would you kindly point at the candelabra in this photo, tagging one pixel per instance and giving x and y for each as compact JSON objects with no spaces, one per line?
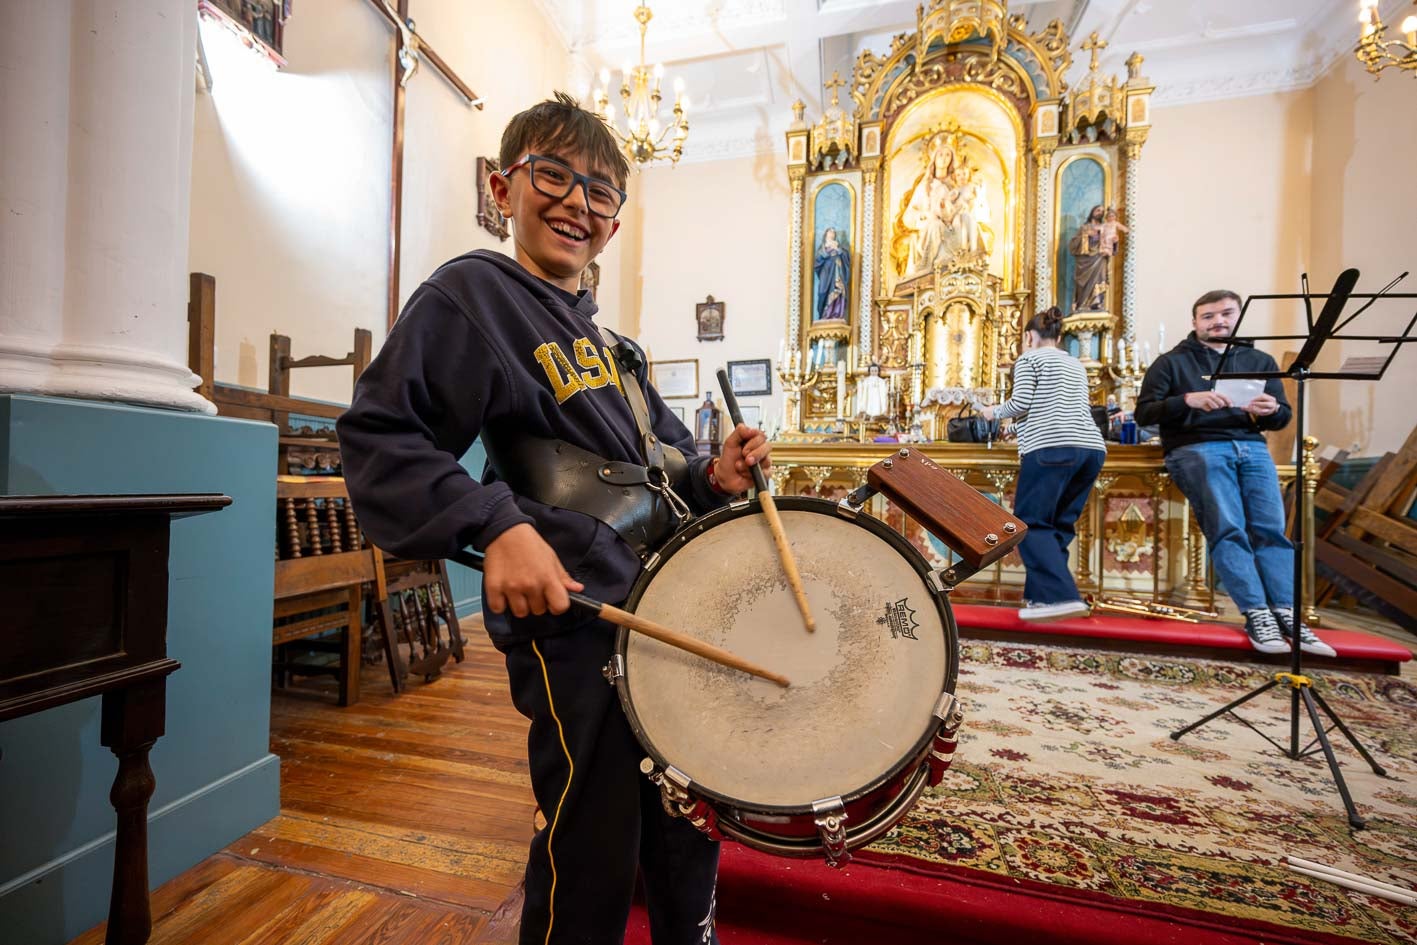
{"x":794,"y":380}
{"x":644,"y":140}
{"x":1375,"y":51}
{"x":1126,"y":376}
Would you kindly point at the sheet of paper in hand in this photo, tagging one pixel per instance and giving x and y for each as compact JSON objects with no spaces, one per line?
{"x":1240,"y":390}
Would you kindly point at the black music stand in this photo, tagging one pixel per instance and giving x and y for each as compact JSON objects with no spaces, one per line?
{"x":1326,"y":326}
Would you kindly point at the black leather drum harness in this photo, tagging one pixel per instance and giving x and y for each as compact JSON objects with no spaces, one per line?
{"x":638,"y":502}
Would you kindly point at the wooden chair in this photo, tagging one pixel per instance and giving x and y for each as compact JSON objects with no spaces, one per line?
{"x":421,"y":607}
{"x":323,"y":566}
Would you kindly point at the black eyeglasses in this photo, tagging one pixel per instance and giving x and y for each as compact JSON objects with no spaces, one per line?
{"x":554,"y":179}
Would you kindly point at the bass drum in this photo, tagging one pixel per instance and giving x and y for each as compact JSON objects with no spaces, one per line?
{"x":839,"y":757}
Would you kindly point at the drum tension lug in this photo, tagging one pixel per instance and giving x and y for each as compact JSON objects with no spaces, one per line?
{"x":947,"y":579}
{"x":858,"y":497}
{"x":613,"y":670}
{"x":831,"y":827}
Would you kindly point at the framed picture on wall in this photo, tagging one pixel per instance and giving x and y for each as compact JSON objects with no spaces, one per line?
{"x":750,"y":378}
{"x":678,"y":412}
{"x":752,"y":414}
{"x":675,"y":378}
{"x":258,"y":22}
{"x":488,"y":216}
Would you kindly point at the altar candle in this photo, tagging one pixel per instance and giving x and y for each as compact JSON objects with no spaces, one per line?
{"x":1145,"y":354}
{"x":781,"y":350}
{"x":1161,"y":338}
{"x":841,"y":388}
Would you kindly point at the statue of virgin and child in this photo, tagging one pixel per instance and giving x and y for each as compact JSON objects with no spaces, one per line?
{"x":945,"y":213}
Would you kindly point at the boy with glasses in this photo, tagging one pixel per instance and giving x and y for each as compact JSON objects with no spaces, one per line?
{"x":507,"y":350}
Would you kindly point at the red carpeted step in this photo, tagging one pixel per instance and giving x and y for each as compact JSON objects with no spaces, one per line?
{"x":1349,"y":644}
{"x":767,"y":900}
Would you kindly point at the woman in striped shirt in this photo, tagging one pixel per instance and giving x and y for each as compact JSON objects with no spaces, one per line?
{"x":1060,"y":454}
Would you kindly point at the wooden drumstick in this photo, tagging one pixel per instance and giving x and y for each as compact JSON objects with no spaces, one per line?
{"x":779,"y":537}
{"x":630,"y":621}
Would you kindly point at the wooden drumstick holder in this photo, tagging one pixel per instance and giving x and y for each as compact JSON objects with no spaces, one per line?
{"x":977,"y":529}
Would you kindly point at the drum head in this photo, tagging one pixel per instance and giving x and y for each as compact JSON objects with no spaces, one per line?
{"x":864,"y":685}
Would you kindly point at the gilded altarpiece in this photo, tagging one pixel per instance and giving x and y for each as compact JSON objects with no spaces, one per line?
{"x":961,"y":183}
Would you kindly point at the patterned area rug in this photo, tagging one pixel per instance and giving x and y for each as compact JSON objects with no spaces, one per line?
{"x":1066,"y":776}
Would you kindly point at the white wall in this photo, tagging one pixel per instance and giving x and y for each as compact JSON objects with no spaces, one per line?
{"x":290,"y":183}
{"x":720,"y":229}
{"x":1364,"y":199}
{"x":1224,"y":204}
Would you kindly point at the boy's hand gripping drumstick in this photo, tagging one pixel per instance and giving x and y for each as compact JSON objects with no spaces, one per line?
{"x":779,"y":537}
{"x":623,"y":618}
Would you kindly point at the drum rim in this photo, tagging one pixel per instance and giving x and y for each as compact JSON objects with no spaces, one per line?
{"x":681,"y":539}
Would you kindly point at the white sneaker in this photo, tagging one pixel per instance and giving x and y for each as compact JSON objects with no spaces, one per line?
{"x":1263,"y":631}
{"x":1308,"y":641}
{"x":1067,"y":608}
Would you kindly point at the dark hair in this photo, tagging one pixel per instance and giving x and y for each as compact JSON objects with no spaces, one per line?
{"x":560,"y":125}
{"x":1048,"y":323}
{"x":1214,"y":295}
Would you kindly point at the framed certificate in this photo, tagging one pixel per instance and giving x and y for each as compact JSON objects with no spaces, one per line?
{"x":750,"y":378}
{"x":675,"y":378}
{"x":752,"y":415}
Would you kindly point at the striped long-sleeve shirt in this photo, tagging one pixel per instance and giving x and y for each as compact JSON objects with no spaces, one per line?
{"x":1050,"y":394}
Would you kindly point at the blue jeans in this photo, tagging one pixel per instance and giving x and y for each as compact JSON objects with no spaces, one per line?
{"x":1053,"y":485}
{"x":1233,"y":489}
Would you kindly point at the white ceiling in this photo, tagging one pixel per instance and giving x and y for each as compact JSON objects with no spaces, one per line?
{"x":745,"y":61}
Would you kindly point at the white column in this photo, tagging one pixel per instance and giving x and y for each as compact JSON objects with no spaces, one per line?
{"x":794,"y":268}
{"x":1131,"y":168}
{"x":868,"y":267}
{"x":95,"y":185}
{"x":1042,"y":231}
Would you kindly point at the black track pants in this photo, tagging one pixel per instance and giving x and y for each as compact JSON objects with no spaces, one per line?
{"x":603,"y":817}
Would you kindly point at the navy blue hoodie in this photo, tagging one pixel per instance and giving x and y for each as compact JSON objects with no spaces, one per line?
{"x":1184,"y":369}
{"x":483,"y":345}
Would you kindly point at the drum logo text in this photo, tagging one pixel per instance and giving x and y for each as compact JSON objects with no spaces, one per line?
{"x":900,"y":619}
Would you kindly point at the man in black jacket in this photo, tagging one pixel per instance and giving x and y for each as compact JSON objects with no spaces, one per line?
{"x":1216,"y":453}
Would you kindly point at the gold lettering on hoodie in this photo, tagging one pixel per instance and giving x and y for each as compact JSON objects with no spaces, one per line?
{"x":566,"y":381}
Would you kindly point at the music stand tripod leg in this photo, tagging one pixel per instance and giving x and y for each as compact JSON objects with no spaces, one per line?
{"x":1352,"y":739}
{"x":1354,"y":820}
{"x":1229,"y":706}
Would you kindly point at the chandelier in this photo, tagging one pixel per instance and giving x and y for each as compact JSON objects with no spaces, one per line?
{"x":1375,"y":51}
{"x":643,"y":139}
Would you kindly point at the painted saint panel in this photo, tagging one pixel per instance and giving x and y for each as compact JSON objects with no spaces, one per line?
{"x":832,"y":245}
{"x":1081,"y":269}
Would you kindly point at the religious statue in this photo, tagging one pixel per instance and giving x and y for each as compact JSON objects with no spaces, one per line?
{"x":1112,"y":230}
{"x":920,"y":224}
{"x":833,"y":271}
{"x":873,"y":396}
{"x":945,"y":214}
{"x":1090,"y":265}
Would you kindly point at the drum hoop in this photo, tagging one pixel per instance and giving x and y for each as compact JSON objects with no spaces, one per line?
{"x":703,"y":523}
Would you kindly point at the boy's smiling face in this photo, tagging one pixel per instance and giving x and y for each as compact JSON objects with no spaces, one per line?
{"x":555,"y":238}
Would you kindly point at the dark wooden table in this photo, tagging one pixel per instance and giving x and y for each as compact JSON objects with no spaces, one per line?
{"x":84,"y":580}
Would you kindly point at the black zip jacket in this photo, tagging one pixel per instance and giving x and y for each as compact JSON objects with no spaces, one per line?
{"x":1184,"y":369}
{"x":483,"y":345}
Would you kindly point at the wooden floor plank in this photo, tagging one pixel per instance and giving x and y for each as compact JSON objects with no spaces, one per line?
{"x":404,"y":820}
